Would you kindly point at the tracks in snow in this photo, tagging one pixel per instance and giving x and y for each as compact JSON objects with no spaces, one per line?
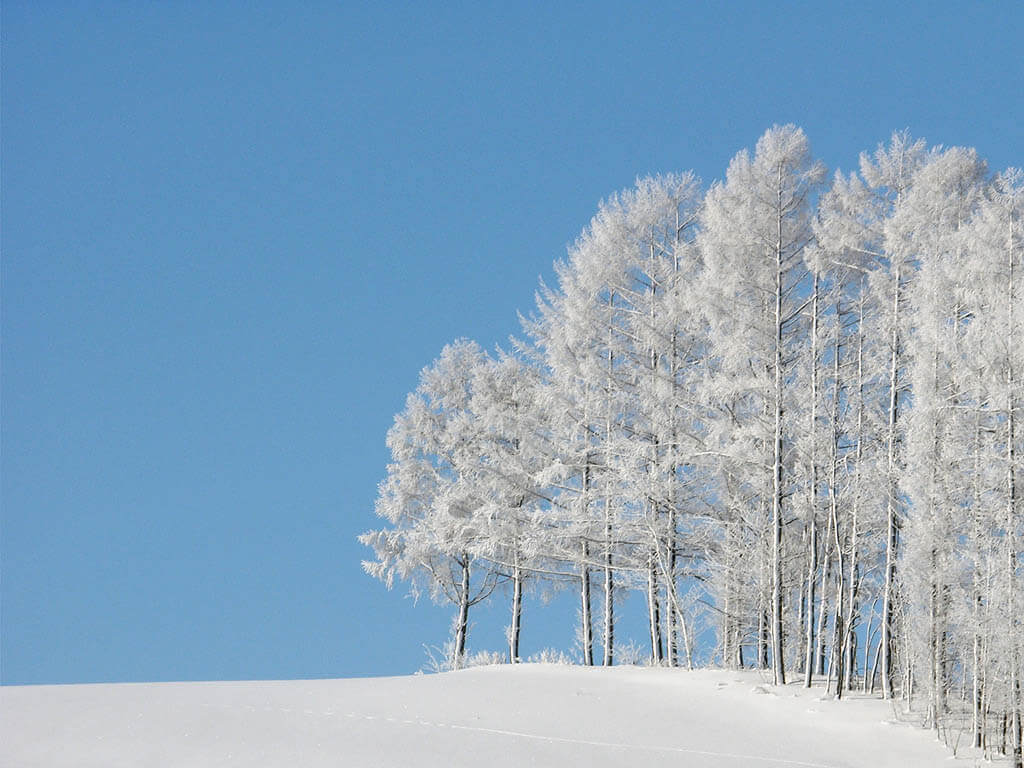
{"x":540,"y":737}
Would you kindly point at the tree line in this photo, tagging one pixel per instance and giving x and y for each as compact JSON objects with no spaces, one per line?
{"x":786,"y":406}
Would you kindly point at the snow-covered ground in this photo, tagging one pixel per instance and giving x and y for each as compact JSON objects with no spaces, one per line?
{"x":542,"y":715}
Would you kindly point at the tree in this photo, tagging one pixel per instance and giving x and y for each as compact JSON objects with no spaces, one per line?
{"x":993,"y":370}
{"x":862,"y":224}
{"x":429,"y":498}
{"x":613,"y":337}
{"x":754,"y":229}
{"x":802,"y":409}
{"x":511,"y":456}
{"x":942,"y":200}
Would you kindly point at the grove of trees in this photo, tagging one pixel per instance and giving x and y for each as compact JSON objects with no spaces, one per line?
{"x":787,"y":409}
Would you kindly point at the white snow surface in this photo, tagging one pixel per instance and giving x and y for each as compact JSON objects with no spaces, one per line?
{"x":531,"y":714}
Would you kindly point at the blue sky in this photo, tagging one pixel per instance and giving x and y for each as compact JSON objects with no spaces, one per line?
{"x":233,"y":233}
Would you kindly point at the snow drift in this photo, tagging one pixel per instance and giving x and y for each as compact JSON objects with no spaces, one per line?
{"x":492,"y":716}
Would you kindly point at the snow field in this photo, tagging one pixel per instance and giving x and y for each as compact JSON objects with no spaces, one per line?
{"x":542,"y":715}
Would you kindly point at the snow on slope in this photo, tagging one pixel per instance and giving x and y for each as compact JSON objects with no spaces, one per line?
{"x":541,"y":715}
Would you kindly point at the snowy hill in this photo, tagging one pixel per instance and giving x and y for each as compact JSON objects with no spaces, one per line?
{"x":491,"y":716}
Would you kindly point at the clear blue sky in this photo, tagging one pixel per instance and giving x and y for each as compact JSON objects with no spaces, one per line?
{"x":233,"y":233}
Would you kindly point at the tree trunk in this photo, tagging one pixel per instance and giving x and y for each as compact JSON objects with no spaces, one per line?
{"x":851,"y":616}
{"x":888,"y":608}
{"x":586,"y":621}
{"x":812,"y":544}
{"x":976,"y":597}
{"x":517,"y":613}
{"x":812,"y":574}
{"x":778,"y":660}
{"x":674,"y":608}
{"x":838,"y":632}
{"x":609,"y":592}
{"x":826,"y":569}
{"x":586,"y":614}
{"x":934,"y":644}
{"x":654,"y":610}
{"x":671,"y":631}
{"x":763,"y":639}
{"x":462,"y":620}
{"x":1011,"y":483}
{"x":609,"y":579}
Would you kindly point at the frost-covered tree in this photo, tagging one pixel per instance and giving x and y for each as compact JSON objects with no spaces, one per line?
{"x":575,"y":336}
{"x":614,"y":339}
{"x":862,"y":224}
{"x":429,"y":496}
{"x":798,"y":407}
{"x":991,"y":384}
{"x":944,"y":196}
{"x":510,"y":458}
{"x":753,"y":232}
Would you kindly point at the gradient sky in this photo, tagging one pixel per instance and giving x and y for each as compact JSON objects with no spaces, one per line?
{"x":233,"y":233}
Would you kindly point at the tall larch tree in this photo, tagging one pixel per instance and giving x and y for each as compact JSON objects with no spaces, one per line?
{"x":754,"y":230}
{"x":428,"y":496}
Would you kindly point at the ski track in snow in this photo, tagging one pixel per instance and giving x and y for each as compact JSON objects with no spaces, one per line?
{"x":560,"y":739}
